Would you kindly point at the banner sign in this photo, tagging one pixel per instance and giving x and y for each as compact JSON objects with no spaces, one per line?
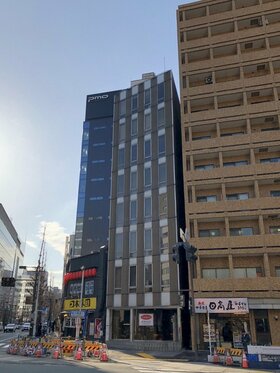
{"x":74,"y":304}
{"x":221,"y":305}
{"x":146,"y":319}
{"x":98,"y":328}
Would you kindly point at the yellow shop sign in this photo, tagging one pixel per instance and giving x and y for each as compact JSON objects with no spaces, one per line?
{"x":74,"y":304}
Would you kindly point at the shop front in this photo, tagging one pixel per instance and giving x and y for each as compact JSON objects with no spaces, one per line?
{"x":225,"y":321}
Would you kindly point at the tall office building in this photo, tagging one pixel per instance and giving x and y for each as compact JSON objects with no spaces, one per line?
{"x":92,"y":222}
{"x":146,"y":213}
{"x":229,"y":57}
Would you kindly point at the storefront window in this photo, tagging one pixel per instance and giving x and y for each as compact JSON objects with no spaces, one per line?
{"x":121,"y":324}
{"x":262,"y":327}
{"x":153,"y":324}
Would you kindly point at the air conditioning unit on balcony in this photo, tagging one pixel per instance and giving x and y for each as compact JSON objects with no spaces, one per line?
{"x":208,"y":80}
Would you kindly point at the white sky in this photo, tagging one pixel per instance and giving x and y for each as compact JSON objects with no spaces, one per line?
{"x":54,"y":53}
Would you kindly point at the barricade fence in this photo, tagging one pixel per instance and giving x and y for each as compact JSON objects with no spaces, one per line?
{"x":46,"y":346}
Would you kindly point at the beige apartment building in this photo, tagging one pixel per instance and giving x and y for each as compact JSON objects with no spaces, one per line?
{"x":229,"y":57}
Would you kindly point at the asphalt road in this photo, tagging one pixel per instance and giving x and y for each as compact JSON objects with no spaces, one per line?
{"x":120,"y":362}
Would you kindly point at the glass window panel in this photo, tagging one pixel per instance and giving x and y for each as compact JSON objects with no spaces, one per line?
{"x":120,"y":185}
{"x":122,"y":108}
{"x":275,"y":193}
{"x":162,"y":174}
{"x":118,"y":282}
{"x":274,"y":230}
{"x":147,"y":121}
{"x":133,"y":153}
{"x":239,"y":272}
{"x":133,"y":210}
{"x":133,"y":180}
{"x":208,"y":273}
{"x":147,"y":176}
{"x":132,"y":244}
{"x":121,"y":132}
{"x":148,"y":277}
{"x":120,"y":214}
{"x":277,"y":271}
{"x":161,"y":144}
{"x":147,"y":148}
{"x":147,"y":97}
{"x":163,"y":205}
{"x":222,"y":273}
{"x":134,"y":126}
{"x":165,"y":276}
{"x":132,"y":276}
{"x":148,"y":207}
{"x":148,"y":241}
{"x":134,"y":103}
{"x":160,"y":92}
{"x":160,"y":119}
{"x":118,"y":245}
{"x":121,"y":158}
{"x":163,"y":239}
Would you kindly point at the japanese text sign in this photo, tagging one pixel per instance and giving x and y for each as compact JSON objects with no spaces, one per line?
{"x":221,"y":305}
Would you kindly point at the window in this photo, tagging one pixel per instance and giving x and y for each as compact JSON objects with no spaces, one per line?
{"x":133,"y":210}
{"x":132,"y":244}
{"x":147,"y":241}
{"x":134,"y":152}
{"x":147,"y":175}
{"x":204,"y":167}
{"x":120,"y":214}
{"x":118,"y":245}
{"x":162,"y":176}
{"x":147,"y":206}
{"x":274,"y":230}
{"x":122,"y":131}
{"x":237,"y":196}
{"x":275,"y":193}
{"x":277,"y":271}
{"x":118,"y":278}
{"x":83,"y":168}
{"x":147,"y":97}
{"x":209,"y":232}
{"x":163,"y":239}
{"x":121,"y":158}
{"x":122,"y":108}
{"x":134,"y":103}
{"x":163,"y":205}
{"x":160,"y":119}
{"x":160,"y":95}
{"x":120,"y":184}
{"x":133,"y":179}
{"x":211,"y":273}
{"x":250,"y":272}
{"x":248,"y":231}
{"x":148,"y":278}
{"x":147,"y":148}
{"x":165,"y":276}
{"x":161,"y":144}
{"x":132,"y":276}
{"x":270,"y":160}
{"x":147,"y":121}
{"x":84,"y":152}
{"x":134,"y":125}
{"x":206,"y":199}
{"x":235,"y":164}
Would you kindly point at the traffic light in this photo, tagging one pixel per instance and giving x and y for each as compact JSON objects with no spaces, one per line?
{"x":8,"y":282}
{"x":190,"y":252}
{"x":178,"y":253}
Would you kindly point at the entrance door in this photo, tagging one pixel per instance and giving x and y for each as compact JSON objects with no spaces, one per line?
{"x":262,"y":327}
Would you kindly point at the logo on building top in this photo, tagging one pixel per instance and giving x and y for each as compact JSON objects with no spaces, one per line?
{"x":98,"y":97}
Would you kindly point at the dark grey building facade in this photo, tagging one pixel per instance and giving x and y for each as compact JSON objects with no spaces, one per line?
{"x":147,"y":210}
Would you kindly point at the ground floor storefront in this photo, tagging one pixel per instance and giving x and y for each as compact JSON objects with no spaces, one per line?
{"x":149,"y":328}
{"x":237,"y":322}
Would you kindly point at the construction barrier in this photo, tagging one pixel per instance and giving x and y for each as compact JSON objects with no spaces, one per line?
{"x":227,"y":356}
{"x":57,"y":348}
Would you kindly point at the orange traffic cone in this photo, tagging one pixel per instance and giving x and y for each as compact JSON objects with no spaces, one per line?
{"x":39,"y":351}
{"x":229,"y":360}
{"x":79,"y":354}
{"x":216,"y":358}
{"x":56,"y":353}
{"x":96,"y":352}
{"x":104,"y":355}
{"x":245,"y":363}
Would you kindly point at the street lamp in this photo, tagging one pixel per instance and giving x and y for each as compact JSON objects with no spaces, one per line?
{"x":79,"y":319}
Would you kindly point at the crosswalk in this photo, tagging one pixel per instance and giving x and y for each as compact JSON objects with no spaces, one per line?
{"x":4,"y":345}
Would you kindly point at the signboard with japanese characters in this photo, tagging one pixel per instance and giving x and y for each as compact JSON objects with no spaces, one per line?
{"x":221,"y":305}
{"x":146,"y":319}
{"x":74,"y":304}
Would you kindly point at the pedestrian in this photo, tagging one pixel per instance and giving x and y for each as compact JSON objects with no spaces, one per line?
{"x":246,"y":339}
